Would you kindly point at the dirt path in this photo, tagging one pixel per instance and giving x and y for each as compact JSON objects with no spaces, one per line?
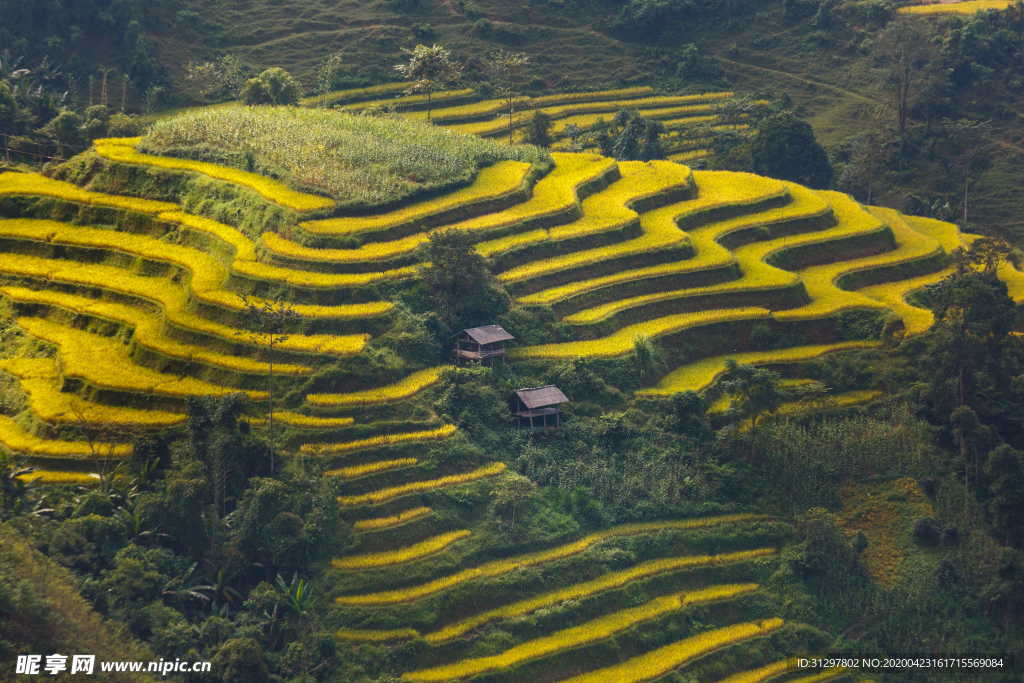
{"x":802,"y":79}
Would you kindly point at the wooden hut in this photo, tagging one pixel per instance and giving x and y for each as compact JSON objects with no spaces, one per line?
{"x":482,"y":345}
{"x":539,"y":407}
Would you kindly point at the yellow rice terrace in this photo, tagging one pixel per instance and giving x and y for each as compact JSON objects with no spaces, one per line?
{"x":377,"y":400}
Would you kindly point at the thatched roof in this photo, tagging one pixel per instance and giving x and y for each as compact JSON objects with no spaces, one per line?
{"x":539,"y":397}
{"x":488,"y":334}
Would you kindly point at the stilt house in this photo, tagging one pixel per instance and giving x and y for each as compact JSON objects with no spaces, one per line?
{"x":539,"y":407}
{"x":483,"y":345}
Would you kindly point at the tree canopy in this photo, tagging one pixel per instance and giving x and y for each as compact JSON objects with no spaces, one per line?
{"x":785,"y":147}
{"x":272,"y":86}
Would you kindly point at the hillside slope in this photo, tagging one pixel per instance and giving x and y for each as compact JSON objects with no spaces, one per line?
{"x":823,"y":59}
{"x":125,"y":293}
{"x":43,"y":613}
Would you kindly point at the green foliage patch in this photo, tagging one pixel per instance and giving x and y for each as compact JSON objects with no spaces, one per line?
{"x":361,"y":161}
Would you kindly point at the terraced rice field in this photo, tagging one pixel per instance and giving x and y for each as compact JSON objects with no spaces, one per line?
{"x":966,"y":7}
{"x":132,"y":323}
{"x":466,"y":112}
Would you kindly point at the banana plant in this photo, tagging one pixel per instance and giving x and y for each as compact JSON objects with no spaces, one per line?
{"x":298,"y":594}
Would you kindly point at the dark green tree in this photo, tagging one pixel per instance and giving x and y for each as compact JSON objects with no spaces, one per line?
{"x":330,"y":74}
{"x":65,"y":129}
{"x":647,"y":360}
{"x":12,"y":115}
{"x":510,"y":495}
{"x":216,"y":80}
{"x":1004,"y":471}
{"x":241,"y":660}
{"x":428,"y":69}
{"x":271,"y":321}
{"x":463,"y":291}
{"x":286,"y":525}
{"x":630,"y":137}
{"x":272,"y":86}
{"x":785,"y":147}
{"x":538,"y":130}
{"x":506,"y":69}
{"x":974,"y":315}
{"x":689,"y":416}
{"x":221,"y":441}
{"x":755,"y":392}
{"x":904,"y":51}
{"x":651,"y":18}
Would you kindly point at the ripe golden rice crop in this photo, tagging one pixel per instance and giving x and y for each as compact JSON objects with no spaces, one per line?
{"x":591,"y":631}
{"x":500,"y":567}
{"x":549,"y":196}
{"x":407,"y":101}
{"x":552,"y":194}
{"x":14,"y":438}
{"x":964,"y":7}
{"x":12,"y":183}
{"x":658,"y":231}
{"x":455,"y":113}
{"x":283,"y":249}
{"x":758,"y":274}
{"x":60,"y":477}
{"x":492,"y":182}
{"x":604,"y":211}
{"x":410,"y":553}
{"x":380,"y":441}
{"x":715,"y":190}
{"x":678,"y":114}
{"x":123,"y":150}
{"x":361,"y":635}
{"x":353,"y":94}
{"x":174,"y":301}
{"x":945,"y":233}
{"x":893,"y":295}
{"x":104,"y":362}
{"x":266,"y":272}
{"x":763,"y":673}
{"x":393,"y":492}
{"x":245,"y":252}
{"x":242,"y":245}
{"x":301,"y":421}
{"x":690,"y":155}
{"x":558,"y":107}
{"x":378,"y":523}
{"x":408,"y":386}
{"x":206,"y":273}
{"x":617,"y":94}
{"x":149,"y":331}
{"x":820,"y":281}
{"x":659,"y":662}
{"x":622,"y":340}
{"x":699,"y":375}
{"x":603,"y":583}
{"x":40,"y":380}
{"x":355,"y":471}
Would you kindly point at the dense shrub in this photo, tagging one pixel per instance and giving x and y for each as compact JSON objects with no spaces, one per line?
{"x":785,"y":147}
{"x":273,"y":86}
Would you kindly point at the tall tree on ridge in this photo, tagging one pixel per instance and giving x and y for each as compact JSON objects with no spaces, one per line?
{"x":428,"y":68}
{"x":505,"y":68}
{"x":271,"y":321}
{"x":903,"y":50}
